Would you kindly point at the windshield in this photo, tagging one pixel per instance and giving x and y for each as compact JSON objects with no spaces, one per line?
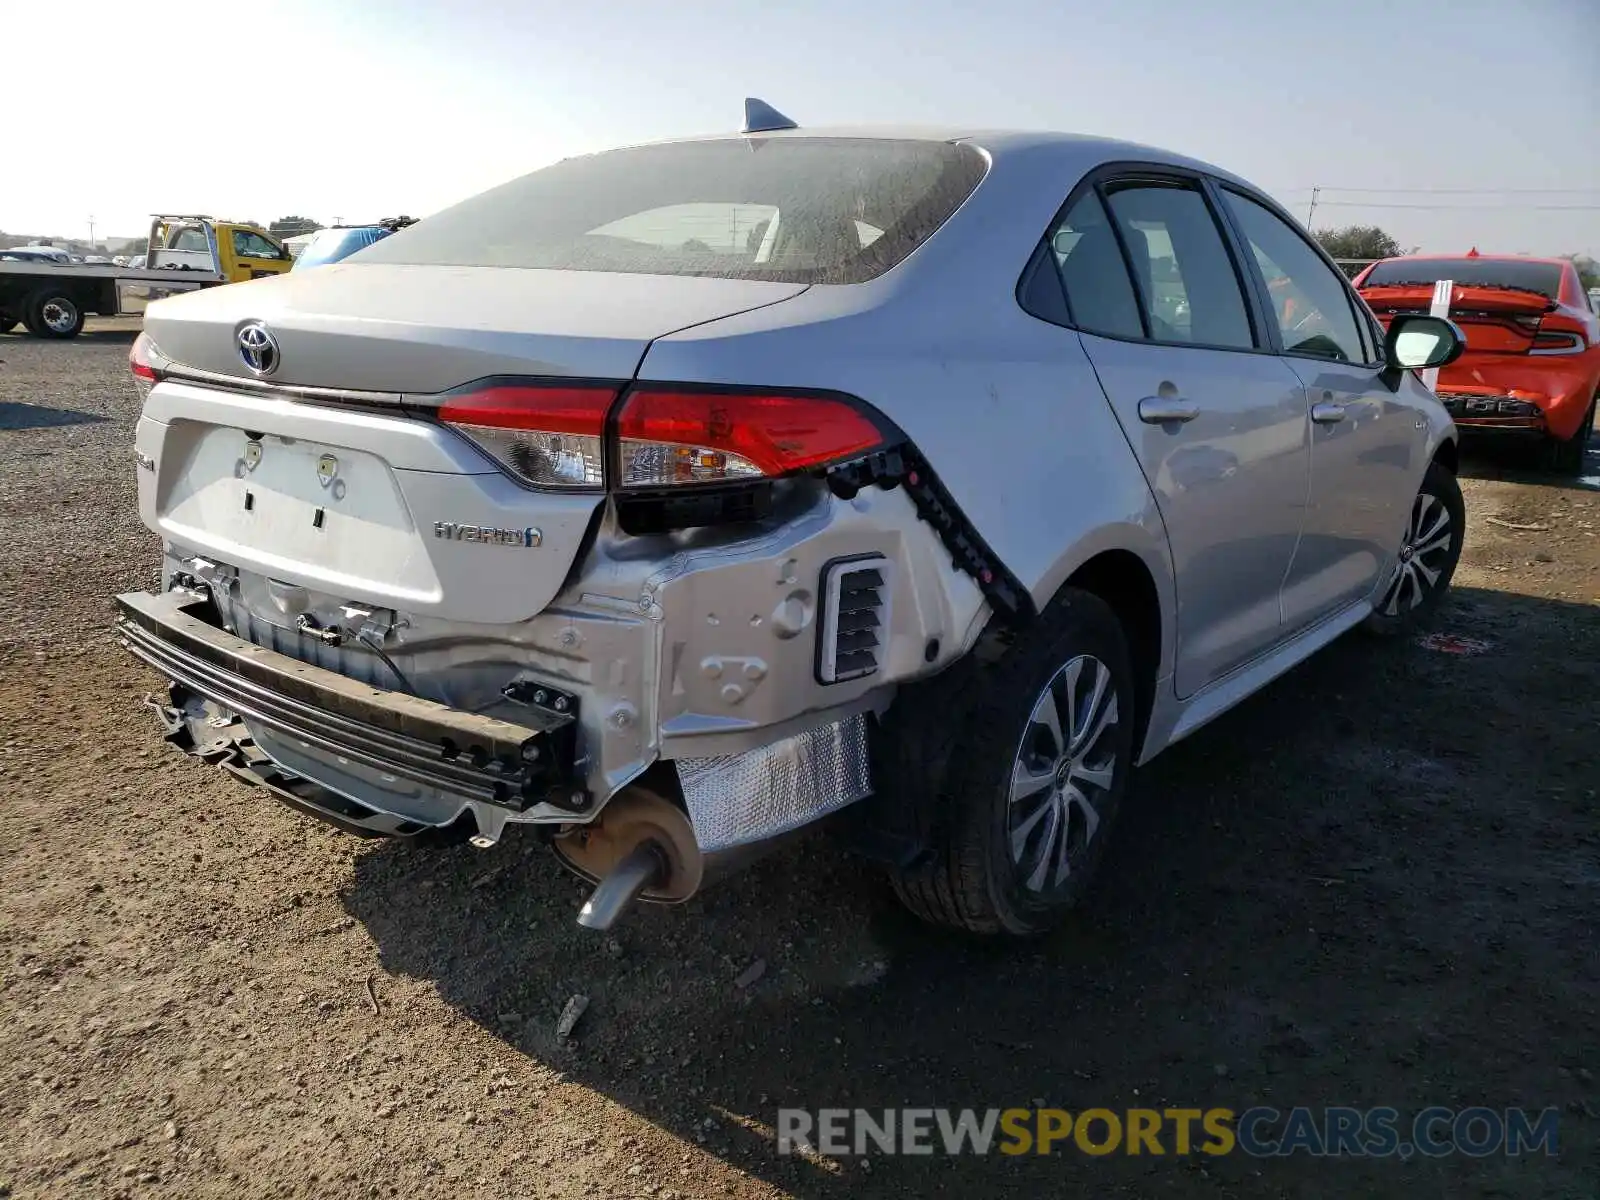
{"x":798,"y":210}
{"x":1543,"y":279}
{"x":331,"y":245}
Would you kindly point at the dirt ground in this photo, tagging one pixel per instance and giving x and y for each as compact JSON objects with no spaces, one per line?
{"x":1377,"y":883}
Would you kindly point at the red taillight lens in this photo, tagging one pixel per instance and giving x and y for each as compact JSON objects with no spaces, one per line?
{"x":671,"y":436}
{"x":143,"y":361}
{"x":549,"y":435}
{"x":1559,"y":334}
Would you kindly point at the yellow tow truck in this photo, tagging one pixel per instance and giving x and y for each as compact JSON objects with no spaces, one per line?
{"x":52,"y":298}
{"x":236,"y":252}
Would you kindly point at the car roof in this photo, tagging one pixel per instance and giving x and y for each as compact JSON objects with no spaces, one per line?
{"x":1526,"y":258}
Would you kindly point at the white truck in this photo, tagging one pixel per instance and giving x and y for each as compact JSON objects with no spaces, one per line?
{"x":51,"y":299}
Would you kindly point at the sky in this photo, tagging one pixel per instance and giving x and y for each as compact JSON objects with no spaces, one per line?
{"x":1451,"y":123}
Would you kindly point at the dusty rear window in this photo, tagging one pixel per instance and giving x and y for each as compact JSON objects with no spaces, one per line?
{"x":790,"y":209}
{"x":1541,"y":278}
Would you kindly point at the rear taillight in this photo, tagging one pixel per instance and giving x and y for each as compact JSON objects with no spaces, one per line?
{"x":146,"y":363}
{"x":668,"y":437}
{"x":676,"y":456}
{"x":547,"y":435}
{"x":1559,"y":335}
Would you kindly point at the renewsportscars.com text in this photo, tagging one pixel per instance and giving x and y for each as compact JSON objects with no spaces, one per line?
{"x":1262,"y":1132}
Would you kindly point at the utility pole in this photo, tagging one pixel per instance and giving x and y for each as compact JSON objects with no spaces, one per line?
{"x":91,"y":233}
{"x":1312,"y":211}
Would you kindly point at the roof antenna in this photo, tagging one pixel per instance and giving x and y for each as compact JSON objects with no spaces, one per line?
{"x":761,"y":117}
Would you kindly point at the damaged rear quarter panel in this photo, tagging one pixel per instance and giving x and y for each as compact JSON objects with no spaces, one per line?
{"x":1006,"y":409}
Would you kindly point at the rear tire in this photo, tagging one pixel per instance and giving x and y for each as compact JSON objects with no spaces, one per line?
{"x":1435,"y":531}
{"x":50,"y":313}
{"x":1036,"y":773}
{"x":1566,"y":457}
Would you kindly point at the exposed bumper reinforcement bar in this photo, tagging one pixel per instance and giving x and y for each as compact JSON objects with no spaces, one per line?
{"x":510,"y":765}
{"x":236,"y":753}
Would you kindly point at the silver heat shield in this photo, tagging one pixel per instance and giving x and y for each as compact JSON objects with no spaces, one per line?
{"x":736,"y":799}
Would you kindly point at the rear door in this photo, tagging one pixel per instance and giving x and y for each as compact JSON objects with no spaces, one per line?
{"x":1368,"y":441}
{"x":1215,"y":418}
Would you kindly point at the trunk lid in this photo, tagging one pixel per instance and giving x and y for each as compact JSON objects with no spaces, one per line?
{"x":374,"y":503}
{"x":1496,"y":320}
{"x":385,"y":327}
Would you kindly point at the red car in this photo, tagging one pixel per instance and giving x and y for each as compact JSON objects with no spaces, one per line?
{"x":1532,"y":363}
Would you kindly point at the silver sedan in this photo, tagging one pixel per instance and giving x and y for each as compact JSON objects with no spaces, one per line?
{"x":670,"y":500}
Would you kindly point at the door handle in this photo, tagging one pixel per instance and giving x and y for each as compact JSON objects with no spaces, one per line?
{"x":1158,"y":410}
{"x":1327,"y":413}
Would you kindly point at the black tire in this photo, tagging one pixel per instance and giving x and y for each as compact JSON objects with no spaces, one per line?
{"x":1566,"y":456}
{"x":50,"y":313}
{"x":973,"y":880}
{"x":1409,"y":599}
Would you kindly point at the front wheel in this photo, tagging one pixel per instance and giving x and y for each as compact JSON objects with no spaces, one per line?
{"x":1037,"y":771}
{"x":1422,"y":571}
{"x":1566,"y":456}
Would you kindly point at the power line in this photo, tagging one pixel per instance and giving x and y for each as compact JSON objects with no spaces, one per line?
{"x":1461,"y":207}
{"x":1592,"y":191}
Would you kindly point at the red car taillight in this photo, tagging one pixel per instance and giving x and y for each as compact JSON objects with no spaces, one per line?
{"x":1559,"y":334}
{"x":146,"y":363}
{"x":675,"y":456}
{"x":669,"y":437}
{"x":548,"y":435}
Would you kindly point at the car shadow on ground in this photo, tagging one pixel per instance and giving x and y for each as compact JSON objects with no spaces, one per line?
{"x":125,"y":334}
{"x":37,"y":416}
{"x":1511,"y":461}
{"x":1361,"y":887}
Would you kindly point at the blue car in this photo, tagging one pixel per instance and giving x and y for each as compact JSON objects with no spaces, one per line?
{"x":340,"y":241}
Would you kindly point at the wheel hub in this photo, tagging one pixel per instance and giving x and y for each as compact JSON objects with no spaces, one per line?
{"x":1063,"y":770}
{"x":1422,"y":556}
{"x":58,"y":316}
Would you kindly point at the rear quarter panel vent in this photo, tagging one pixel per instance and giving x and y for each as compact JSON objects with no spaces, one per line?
{"x":854,"y":635}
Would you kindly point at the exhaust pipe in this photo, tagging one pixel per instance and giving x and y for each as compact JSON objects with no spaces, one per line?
{"x":641,"y":847}
{"x":643,"y":866}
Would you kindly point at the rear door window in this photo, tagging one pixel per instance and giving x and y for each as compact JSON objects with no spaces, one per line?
{"x":1185,"y":276}
{"x":789,"y":209}
{"x":1094,"y":275}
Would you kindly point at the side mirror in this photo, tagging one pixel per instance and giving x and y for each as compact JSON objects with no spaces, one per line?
{"x":1417,"y":342}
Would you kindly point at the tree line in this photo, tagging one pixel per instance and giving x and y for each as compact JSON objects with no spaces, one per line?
{"x":1372,"y":242}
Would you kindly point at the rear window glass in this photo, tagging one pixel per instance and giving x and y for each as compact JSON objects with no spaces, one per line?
{"x":330,"y":245}
{"x":1541,"y":278}
{"x":796,"y":210}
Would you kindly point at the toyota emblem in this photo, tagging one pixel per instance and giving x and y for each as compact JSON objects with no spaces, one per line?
{"x":258,"y":349}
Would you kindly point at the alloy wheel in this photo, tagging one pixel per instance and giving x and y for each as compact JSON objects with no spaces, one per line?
{"x":1063,"y":770}
{"x":1422,"y":557}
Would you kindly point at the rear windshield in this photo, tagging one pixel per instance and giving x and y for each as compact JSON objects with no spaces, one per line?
{"x":331,"y":245}
{"x":790,"y":209}
{"x":1541,"y":278}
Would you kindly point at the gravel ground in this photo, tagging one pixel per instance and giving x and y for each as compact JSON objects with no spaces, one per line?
{"x":1375,"y":884}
